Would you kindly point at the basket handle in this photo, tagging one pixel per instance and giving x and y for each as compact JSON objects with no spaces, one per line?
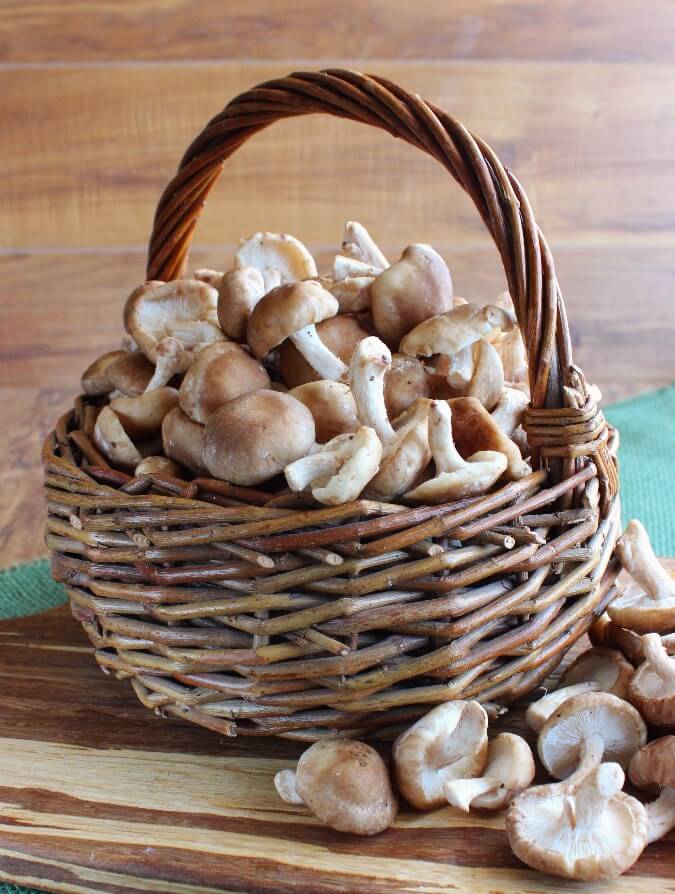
{"x":496,"y":193}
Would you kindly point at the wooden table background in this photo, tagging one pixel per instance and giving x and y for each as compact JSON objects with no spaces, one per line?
{"x":99,"y":99}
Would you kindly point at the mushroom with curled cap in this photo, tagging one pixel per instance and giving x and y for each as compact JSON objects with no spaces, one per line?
{"x":651,"y":689}
{"x":219,"y":373}
{"x":95,"y":379}
{"x":585,"y":829}
{"x":654,"y":767}
{"x":416,"y":287}
{"x":405,"y":449}
{"x":587,"y":727}
{"x":340,"y":334}
{"x":344,"y":783}
{"x":647,"y":604}
{"x":607,"y":667}
{"x":509,"y":770}
{"x":130,"y":374}
{"x":340,"y":470}
{"x":238,"y":293}
{"x":291,"y":311}
{"x":458,"y":328}
{"x":255,"y":436}
{"x":357,"y":243}
{"x":352,"y":293}
{"x":142,"y":415}
{"x":182,"y":441}
{"x":279,"y":257}
{"x":539,"y":711}
{"x":113,"y":441}
{"x":208,"y":275}
{"x":474,"y":430}
{"x":455,"y":477}
{"x":158,"y":465}
{"x":450,"y":742}
{"x":510,"y":409}
{"x":332,"y":406}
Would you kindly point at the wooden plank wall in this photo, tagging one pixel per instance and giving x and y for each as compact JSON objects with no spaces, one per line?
{"x":98,"y":101}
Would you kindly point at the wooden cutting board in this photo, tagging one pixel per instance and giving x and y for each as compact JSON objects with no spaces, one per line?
{"x":99,"y":795}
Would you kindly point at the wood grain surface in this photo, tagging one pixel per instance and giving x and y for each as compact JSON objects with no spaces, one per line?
{"x":99,"y":100}
{"x":97,"y":794}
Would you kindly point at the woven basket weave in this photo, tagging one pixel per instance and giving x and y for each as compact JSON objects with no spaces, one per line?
{"x":252,"y":614}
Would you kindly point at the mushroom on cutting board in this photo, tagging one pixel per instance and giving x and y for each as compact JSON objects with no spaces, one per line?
{"x":509,"y":770}
{"x":607,"y":667}
{"x":654,"y":766}
{"x":587,"y":727}
{"x":540,"y":710}
{"x":416,"y":287}
{"x":606,"y":633}
{"x":651,"y":689}
{"x":345,"y":784}
{"x":340,"y":334}
{"x":255,"y":436}
{"x":332,"y":406}
{"x":647,"y":604}
{"x":585,"y":829}
{"x":450,"y":742}
{"x":279,"y":257}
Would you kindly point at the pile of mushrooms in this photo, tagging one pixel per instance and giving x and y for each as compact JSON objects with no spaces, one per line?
{"x":590,"y":732}
{"x":373,"y":378}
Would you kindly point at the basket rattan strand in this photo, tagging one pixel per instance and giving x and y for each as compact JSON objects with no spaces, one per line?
{"x":253,"y":614}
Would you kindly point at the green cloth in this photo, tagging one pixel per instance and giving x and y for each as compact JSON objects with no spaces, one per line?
{"x":647,"y":462}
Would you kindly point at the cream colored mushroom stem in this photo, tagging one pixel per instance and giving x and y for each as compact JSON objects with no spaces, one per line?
{"x":656,"y":655}
{"x":509,"y":770}
{"x":319,"y":357}
{"x":370,"y":361}
{"x":637,"y":557}
{"x":171,"y":358}
{"x":358,"y":243}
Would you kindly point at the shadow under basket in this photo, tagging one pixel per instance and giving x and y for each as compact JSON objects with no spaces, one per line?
{"x":254,"y":614}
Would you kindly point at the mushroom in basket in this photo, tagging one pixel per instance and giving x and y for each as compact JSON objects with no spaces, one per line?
{"x":124,"y":425}
{"x":332,"y":406}
{"x":182,"y":441}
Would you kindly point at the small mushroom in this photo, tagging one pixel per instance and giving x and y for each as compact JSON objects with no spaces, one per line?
{"x":455,"y":477}
{"x":142,"y":416}
{"x":416,"y":287}
{"x":604,"y":632}
{"x":182,"y":441}
{"x":279,"y":257}
{"x":587,"y":727}
{"x":455,"y":330}
{"x":239,"y":292}
{"x":509,"y":770}
{"x":607,"y":667}
{"x":540,"y":710}
{"x":345,"y":784}
{"x":405,"y":381}
{"x":220,"y":372}
{"x":255,"y":436}
{"x":170,"y":358}
{"x":511,"y":349}
{"x":113,"y":441}
{"x":291,"y":311}
{"x":95,"y":379}
{"x":651,"y":689}
{"x":647,"y":605}
{"x":474,"y":430}
{"x":654,"y":766}
{"x":510,"y":409}
{"x":332,"y":406}
{"x":450,"y":742}
{"x":340,"y":470}
{"x":345,"y":268}
{"x":359,"y":244}
{"x":158,"y":465}
{"x":487,"y":380}
{"x":585,"y":829}
{"x":130,"y":374}
{"x":352,"y":293}
{"x":209,"y":276}
{"x":339,"y":334}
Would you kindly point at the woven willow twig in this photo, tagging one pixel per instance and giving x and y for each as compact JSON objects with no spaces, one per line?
{"x":256,"y":613}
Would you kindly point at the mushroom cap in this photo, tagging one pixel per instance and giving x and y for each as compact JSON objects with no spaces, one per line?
{"x":450,"y":742}
{"x":253,"y":437}
{"x":332,"y":406}
{"x":352,"y":293}
{"x":113,"y":441}
{"x":541,"y":834}
{"x":345,"y":784}
{"x":182,"y":441}
{"x":651,"y":689}
{"x":480,"y":473}
{"x":340,"y":334}
{"x":563,"y":735}
{"x":474,"y":430}
{"x":654,"y":764}
{"x":218,"y":373}
{"x":509,"y":412}
{"x":405,"y":381}
{"x":95,"y":378}
{"x":510,"y":760}
{"x":130,"y":373}
{"x":238,"y":293}
{"x":416,"y":287}
{"x":285,"y":310}
{"x":158,"y":465}
{"x":454,"y":329}
{"x":539,"y":711}
{"x":208,"y":275}
{"x":636,"y":610}
{"x":142,"y":415}
{"x":278,"y":253}
{"x":487,"y":381}
{"x":607,"y":667}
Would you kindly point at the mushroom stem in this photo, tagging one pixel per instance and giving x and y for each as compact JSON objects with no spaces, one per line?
{"x":370,"y":361}
{"x":591,"y":754}
{"x":303,"y":471}
{"x":284,"y":782}
{"x":637,"y":557}
{"x":461,"y":792}
{"x":315,"y":352}
{"x":445,"y":454}
{"x":569,"y":811}
{"x":594,"y":793}
{"x":656,"y":655}
{"x":171,"y":358}
{"x":661,"y":815}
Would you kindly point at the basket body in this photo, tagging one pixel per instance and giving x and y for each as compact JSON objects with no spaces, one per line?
{"x":254,"y":615}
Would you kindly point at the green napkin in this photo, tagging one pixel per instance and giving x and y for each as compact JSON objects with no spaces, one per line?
{"x":647,"y":464}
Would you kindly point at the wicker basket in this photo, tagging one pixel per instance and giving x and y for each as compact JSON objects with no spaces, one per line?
{"x":252,"y":614}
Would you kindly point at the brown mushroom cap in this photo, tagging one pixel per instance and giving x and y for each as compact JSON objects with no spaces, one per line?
{"x":340,"y":334}
{"x":253,"y":437}
{"x":142,"y":415}
{"x":607,"y":667}
{"x":474,"y":430}
{"x":219,"y":372}
{"x":285,"y":310}
{"x":345,"y":784}
{"x":113,"y":441}
{"x":182,"y":441}
{"x":130,"y":373}
{"x":416,"y":287}
{"x":332,"y":406}
{"x":158,"y":465}
{"x":651,"y":689}
{"x":654,"y":764}
{"x":405,"y":381}
{"x":95,"y":378}
{"x":238,"y":293}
